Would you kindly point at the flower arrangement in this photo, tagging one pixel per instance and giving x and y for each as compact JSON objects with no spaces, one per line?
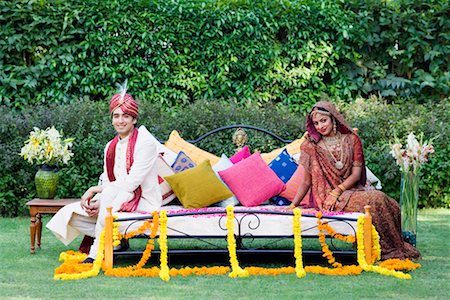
{"x":71,"y":269}
{"x":47,"y":147}
{"x":414,"y":155}
{"x":297,"y":229}
{"x":410,"y":161}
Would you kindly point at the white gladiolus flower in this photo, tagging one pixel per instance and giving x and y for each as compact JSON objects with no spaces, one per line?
{"x":413,"y":156}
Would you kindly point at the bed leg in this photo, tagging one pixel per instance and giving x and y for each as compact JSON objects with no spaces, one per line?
{"x":108,"y":263}
{"x":368,"y":235}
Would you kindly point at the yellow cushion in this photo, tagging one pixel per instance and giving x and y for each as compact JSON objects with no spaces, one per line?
{"x":198,"y":187}
{"x":292,"y":148}
{"x":177,"y":144}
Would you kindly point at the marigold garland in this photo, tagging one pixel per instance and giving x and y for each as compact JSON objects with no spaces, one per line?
{"x":376,"y":248}
{"x":341,"y":271}
{"x":236,"y":270}
{"x":73,"y":270}
{"x":164,"y":272}
{"x":147,"y":225}
{"x":271,"y":271}
{"x":199,"y":271}
{"x":186,"y":271}
{"x":399,"y":264}
{"x":297,"y":229}
{"x":116,"y":233}
{"x":325,"y":249}
{"x":72,"y":256}
{"x":133,"y":270}
{"x":362,"y":258}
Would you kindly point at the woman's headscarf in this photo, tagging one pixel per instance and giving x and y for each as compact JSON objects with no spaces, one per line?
{"x":325,"y":106}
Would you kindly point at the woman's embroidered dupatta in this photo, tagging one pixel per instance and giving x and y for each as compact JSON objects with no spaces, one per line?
{"x":110,"y":159}
{"x":321,"y":165}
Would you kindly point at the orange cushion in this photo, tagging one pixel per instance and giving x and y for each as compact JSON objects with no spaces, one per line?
{"x":176,"y":143}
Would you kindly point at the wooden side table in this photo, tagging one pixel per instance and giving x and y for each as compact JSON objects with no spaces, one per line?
{"x":39,"y":207}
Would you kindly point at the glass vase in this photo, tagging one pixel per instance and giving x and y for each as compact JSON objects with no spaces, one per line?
{"x":409,"y":198}
{"x":46,"y":181}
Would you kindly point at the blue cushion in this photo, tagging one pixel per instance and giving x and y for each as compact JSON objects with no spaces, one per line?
{"x":284,"y":166}
{"x":281,"y":201}
{"x":182,"y":162}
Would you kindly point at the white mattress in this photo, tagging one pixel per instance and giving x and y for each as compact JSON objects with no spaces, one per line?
{"x":258,"y":224}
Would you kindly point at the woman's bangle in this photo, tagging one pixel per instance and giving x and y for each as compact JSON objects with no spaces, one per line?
{"x":342,"y":187}
{"x":333,"y":193}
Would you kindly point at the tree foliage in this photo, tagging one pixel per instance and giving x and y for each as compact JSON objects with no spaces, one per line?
{"x":177,"y":52}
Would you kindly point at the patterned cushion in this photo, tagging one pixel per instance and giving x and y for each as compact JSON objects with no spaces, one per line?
{"x":177,"y":144}
{"x":252,"y":181}
{"x":198,"y":187}
{"x":292,"y":149}
{"x":163,"y":170}
{"x":283,"y":165}
{"x":182,"y":162}
{"x":223,"y":164}
{"x":242,"y":154}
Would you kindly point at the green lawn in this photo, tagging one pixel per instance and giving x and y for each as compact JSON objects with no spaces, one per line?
{"x":31,"y":276}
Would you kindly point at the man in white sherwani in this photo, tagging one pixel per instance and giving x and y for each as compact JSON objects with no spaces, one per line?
{"x":129,"y":179}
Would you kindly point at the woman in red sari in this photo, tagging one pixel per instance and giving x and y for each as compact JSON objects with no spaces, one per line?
{"x":335,"y":176}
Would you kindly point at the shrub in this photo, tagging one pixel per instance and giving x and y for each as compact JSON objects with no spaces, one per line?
{"x":89,"y":123}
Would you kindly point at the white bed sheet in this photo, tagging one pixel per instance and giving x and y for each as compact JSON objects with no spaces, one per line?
{"x":259,"y":224}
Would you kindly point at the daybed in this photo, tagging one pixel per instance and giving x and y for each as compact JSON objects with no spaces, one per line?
{"x":257,"y":227}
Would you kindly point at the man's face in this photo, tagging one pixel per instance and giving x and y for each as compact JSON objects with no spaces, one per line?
{"x":122,"y":122}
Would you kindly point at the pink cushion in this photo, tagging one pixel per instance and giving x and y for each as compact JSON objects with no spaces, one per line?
{"x":243,"y":154}
{"x":252,"y":181}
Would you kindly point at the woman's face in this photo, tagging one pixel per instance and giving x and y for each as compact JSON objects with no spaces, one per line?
{"x":323,"y":124}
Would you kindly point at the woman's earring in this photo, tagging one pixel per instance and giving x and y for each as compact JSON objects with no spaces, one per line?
{"x":334,"y":126}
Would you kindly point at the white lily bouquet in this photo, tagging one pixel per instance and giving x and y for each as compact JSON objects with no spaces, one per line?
{"x":410,"y":160}
{"x":47,"y":147}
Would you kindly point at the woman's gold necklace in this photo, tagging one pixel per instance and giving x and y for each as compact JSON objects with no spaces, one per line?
{"x":337,"y":163}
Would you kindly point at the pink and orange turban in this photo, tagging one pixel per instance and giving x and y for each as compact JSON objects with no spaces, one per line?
{"x":126,"y":103}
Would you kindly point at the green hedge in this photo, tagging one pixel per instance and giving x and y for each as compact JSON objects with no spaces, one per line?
{"x":178,"y":52}
{"x":89,"y":123}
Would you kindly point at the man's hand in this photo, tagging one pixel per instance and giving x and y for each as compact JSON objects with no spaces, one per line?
{"x":90,"y":208}
{"x":93,"y":208}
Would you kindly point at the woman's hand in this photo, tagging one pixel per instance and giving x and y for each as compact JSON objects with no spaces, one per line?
{"x":331,"y":199}
{"x":291,"y":207}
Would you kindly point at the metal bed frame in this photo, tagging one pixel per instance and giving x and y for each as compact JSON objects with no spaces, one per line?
{"x":242,"y":246}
